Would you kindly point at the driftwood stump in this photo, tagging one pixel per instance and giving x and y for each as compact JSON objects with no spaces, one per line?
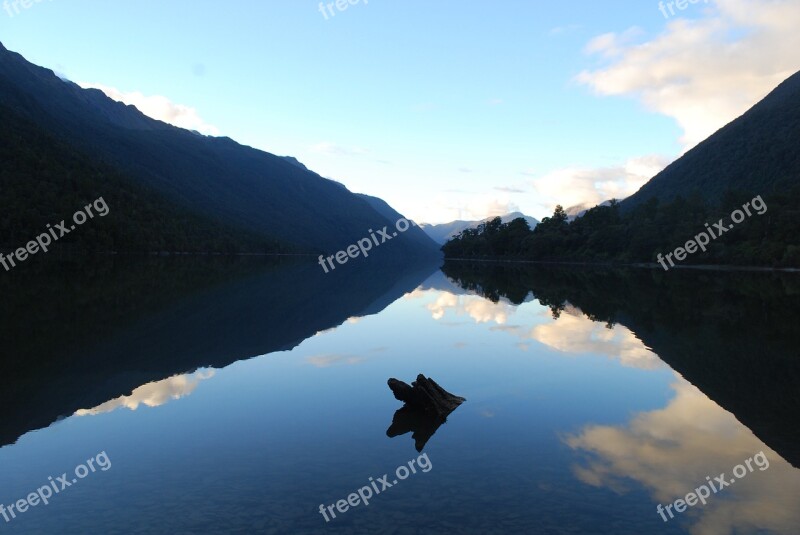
{"x":427,"y":406}
{"x":426,"y":395}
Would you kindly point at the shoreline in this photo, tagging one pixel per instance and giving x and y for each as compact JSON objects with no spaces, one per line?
{"x":644,"y":265}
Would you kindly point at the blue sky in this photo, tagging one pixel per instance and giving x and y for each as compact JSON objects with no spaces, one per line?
{"x":444,"y":109}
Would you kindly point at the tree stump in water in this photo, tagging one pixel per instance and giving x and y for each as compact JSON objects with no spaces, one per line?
{"x":427,"y":396}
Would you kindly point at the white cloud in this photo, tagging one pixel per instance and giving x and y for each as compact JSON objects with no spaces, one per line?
{"x":705,"y":72}
{"x":493,"y":208}
{"x":670,"y":452}
{"x":326,"y":361}
{"x":611,"y":44}
{"x":576,"y":185}
{"x":574,"y":333}
{"x":468,"y":206}
{"x":160,"y":108}
{"x":332,"y":149}
{"x":153,"y":394}
{"x":569,"y":28}
{"x":479,"y":309}
{"x":510,"y":189}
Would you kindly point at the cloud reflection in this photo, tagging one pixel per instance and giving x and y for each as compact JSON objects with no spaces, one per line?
{"x":479,"y":309}
{"x":671,"y":451}
{"x":326,"y":361}
{"x":153,"y":394}
{"x":572,"y":332}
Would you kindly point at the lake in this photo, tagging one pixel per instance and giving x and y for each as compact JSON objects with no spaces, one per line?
{"x":249,"y":395}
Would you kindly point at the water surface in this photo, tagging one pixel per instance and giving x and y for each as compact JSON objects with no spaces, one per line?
{"x":237,"y":396}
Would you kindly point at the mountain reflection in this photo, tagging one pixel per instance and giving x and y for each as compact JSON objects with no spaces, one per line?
{"x":732,"y":334}
{"x":85,"y":334}
{"x":153,"y":394}
{"x":671,"y":451}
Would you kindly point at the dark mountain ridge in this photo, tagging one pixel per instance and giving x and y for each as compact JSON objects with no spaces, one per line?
{"x":757,"y":152}
{"x":227,"y":183}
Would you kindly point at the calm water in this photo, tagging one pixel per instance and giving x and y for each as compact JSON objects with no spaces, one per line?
{"x":236,"y":396}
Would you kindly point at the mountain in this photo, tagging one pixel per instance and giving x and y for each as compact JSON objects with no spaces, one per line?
{"x":445,"y":231}
{"x":414,"y":234}
{"x":43,"y":180}
{"x":756,"y":153}
{"x":215,"y":183}
{"x":750,"y":168}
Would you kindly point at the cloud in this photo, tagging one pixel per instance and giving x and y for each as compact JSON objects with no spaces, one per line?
{"x":509,"y":189}
{"x":560,"y":30}
{"x":495,"y":207}
{"x":160,"y":108}
{"x":670,"y":452}
{"x":612,"y":45}
{"x":332,"y":149}
{"x":479,"y":309}
{"x":326,"y":361}
{"x":153,"y":394}
{"x":469,"y":206}
{"x":575,"y":334}
{"x":572,"y":333}
{"x":705,"y":72}
{"x":575,"y":185}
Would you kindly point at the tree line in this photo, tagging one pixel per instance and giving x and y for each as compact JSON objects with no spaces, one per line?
{"x":616,"y":234}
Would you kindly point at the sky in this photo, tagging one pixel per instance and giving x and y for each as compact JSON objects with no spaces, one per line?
{"x":447,"y":110}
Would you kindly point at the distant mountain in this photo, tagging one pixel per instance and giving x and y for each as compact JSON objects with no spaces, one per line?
{"x":214,"y":182}
{"x":757,"y":153}
{"x":443,"y":232}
